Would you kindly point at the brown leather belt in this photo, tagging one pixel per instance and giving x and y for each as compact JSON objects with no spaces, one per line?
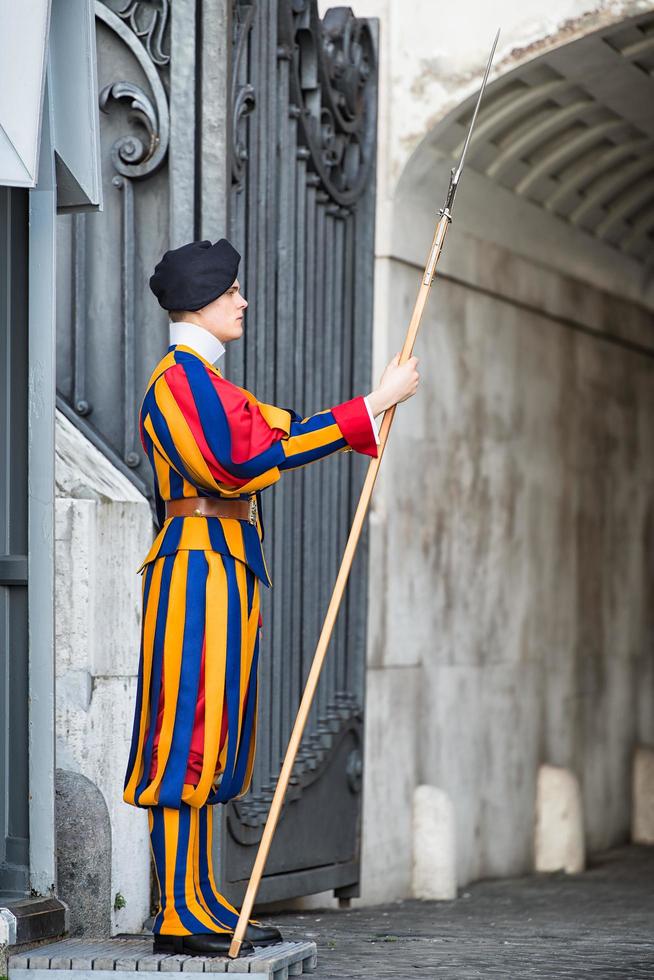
{"x":240,"y":510}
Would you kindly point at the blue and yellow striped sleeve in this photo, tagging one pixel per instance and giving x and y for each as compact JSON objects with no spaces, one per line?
{"x":219,"y":436}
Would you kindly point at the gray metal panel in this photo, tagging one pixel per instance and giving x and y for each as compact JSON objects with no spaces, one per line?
{"x":41,"y":449}
{"x":183,"y":121}
{"x":111,"y":331}
{"x":213,"y":60}
{"x":73,"y":75}
{"x":14,"y":816}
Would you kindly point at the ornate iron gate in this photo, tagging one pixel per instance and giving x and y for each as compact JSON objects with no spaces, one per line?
{"x":301,"y":211}
{"x":285,"y":166}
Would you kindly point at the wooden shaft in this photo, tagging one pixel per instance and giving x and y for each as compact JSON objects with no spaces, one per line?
{"x":334,"y":604}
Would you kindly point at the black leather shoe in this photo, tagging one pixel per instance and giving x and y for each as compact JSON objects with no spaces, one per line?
{"x":199,"y":944}
{"x":263,"y":935}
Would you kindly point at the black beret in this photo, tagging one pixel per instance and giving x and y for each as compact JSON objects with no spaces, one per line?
{"x":193,"y":275}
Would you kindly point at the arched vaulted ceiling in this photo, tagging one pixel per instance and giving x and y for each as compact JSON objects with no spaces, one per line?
{"x":573,"y":132}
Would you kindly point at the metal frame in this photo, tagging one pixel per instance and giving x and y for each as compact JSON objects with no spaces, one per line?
{"x":14,"y":668}
{"x":41,"y":581}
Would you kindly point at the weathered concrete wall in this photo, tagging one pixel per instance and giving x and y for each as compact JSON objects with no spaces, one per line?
{"x":508,"y":624}
{"x":103,"y":529}
{"x":522,"y":603}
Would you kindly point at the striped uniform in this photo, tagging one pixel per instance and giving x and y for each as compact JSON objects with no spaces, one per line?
{"x":194,"y":732}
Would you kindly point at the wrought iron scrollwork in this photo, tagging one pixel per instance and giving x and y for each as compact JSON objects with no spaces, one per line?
{"x":248,"y":816}
{"x":333,"y":90}
{"x":131,"y":156}
{"x":148,"y":19}
{"x":344,"y":714}
{"x":130,"y":151}
{"x":243,"y":98}
{"x":333,"y":80}
{"x":135,"y":159}
{"x":136,"y":155}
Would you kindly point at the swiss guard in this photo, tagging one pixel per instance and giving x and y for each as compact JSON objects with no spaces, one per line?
{"x":212,"y":447}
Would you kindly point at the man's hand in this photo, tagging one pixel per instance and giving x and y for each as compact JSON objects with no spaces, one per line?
{"x":397,"y":383}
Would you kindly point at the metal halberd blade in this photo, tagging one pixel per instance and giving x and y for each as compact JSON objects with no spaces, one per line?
{"x":456,"y":171}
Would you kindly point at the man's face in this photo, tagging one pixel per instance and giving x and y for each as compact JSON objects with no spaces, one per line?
{"x":223,"y":317}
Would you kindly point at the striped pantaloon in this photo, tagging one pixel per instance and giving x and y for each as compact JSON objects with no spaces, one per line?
{"x":194,"y":734}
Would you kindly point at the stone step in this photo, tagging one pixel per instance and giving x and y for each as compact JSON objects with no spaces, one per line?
{"x":111,"y":959}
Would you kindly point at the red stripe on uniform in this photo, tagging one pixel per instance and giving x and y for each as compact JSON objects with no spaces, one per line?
{"x":180,"y":389}
{"x":251,"y":434}
{"x":354,"y":422}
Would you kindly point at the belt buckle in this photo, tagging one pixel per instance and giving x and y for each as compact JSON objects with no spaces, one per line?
{"x":253,"y":511}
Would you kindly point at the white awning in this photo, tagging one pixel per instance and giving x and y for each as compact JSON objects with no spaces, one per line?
{"x":23,"y":47}
{"x":56,"y":37}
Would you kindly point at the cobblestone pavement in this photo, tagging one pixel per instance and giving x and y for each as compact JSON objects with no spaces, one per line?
{"x":599,"y":924}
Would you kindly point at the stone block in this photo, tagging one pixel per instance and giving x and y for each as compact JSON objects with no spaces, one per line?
{"x":434,"y":844}
{"x":559,"y":836}
{"x":103,"y":530}
{"x":83,"y":841}
{"x":642,"y":821}
{"x":389,"y":781}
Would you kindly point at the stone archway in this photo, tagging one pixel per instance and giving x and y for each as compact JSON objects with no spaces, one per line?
{"x":521,"y":623}
{"x":564,"y":143}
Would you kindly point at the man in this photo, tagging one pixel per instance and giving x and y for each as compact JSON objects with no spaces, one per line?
{"x":212,"y":447}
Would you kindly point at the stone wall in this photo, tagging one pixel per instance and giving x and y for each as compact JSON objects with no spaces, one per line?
{"x":103,"y":530}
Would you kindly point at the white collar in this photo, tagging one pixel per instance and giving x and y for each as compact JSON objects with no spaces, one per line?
{"x":198,"y":338}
